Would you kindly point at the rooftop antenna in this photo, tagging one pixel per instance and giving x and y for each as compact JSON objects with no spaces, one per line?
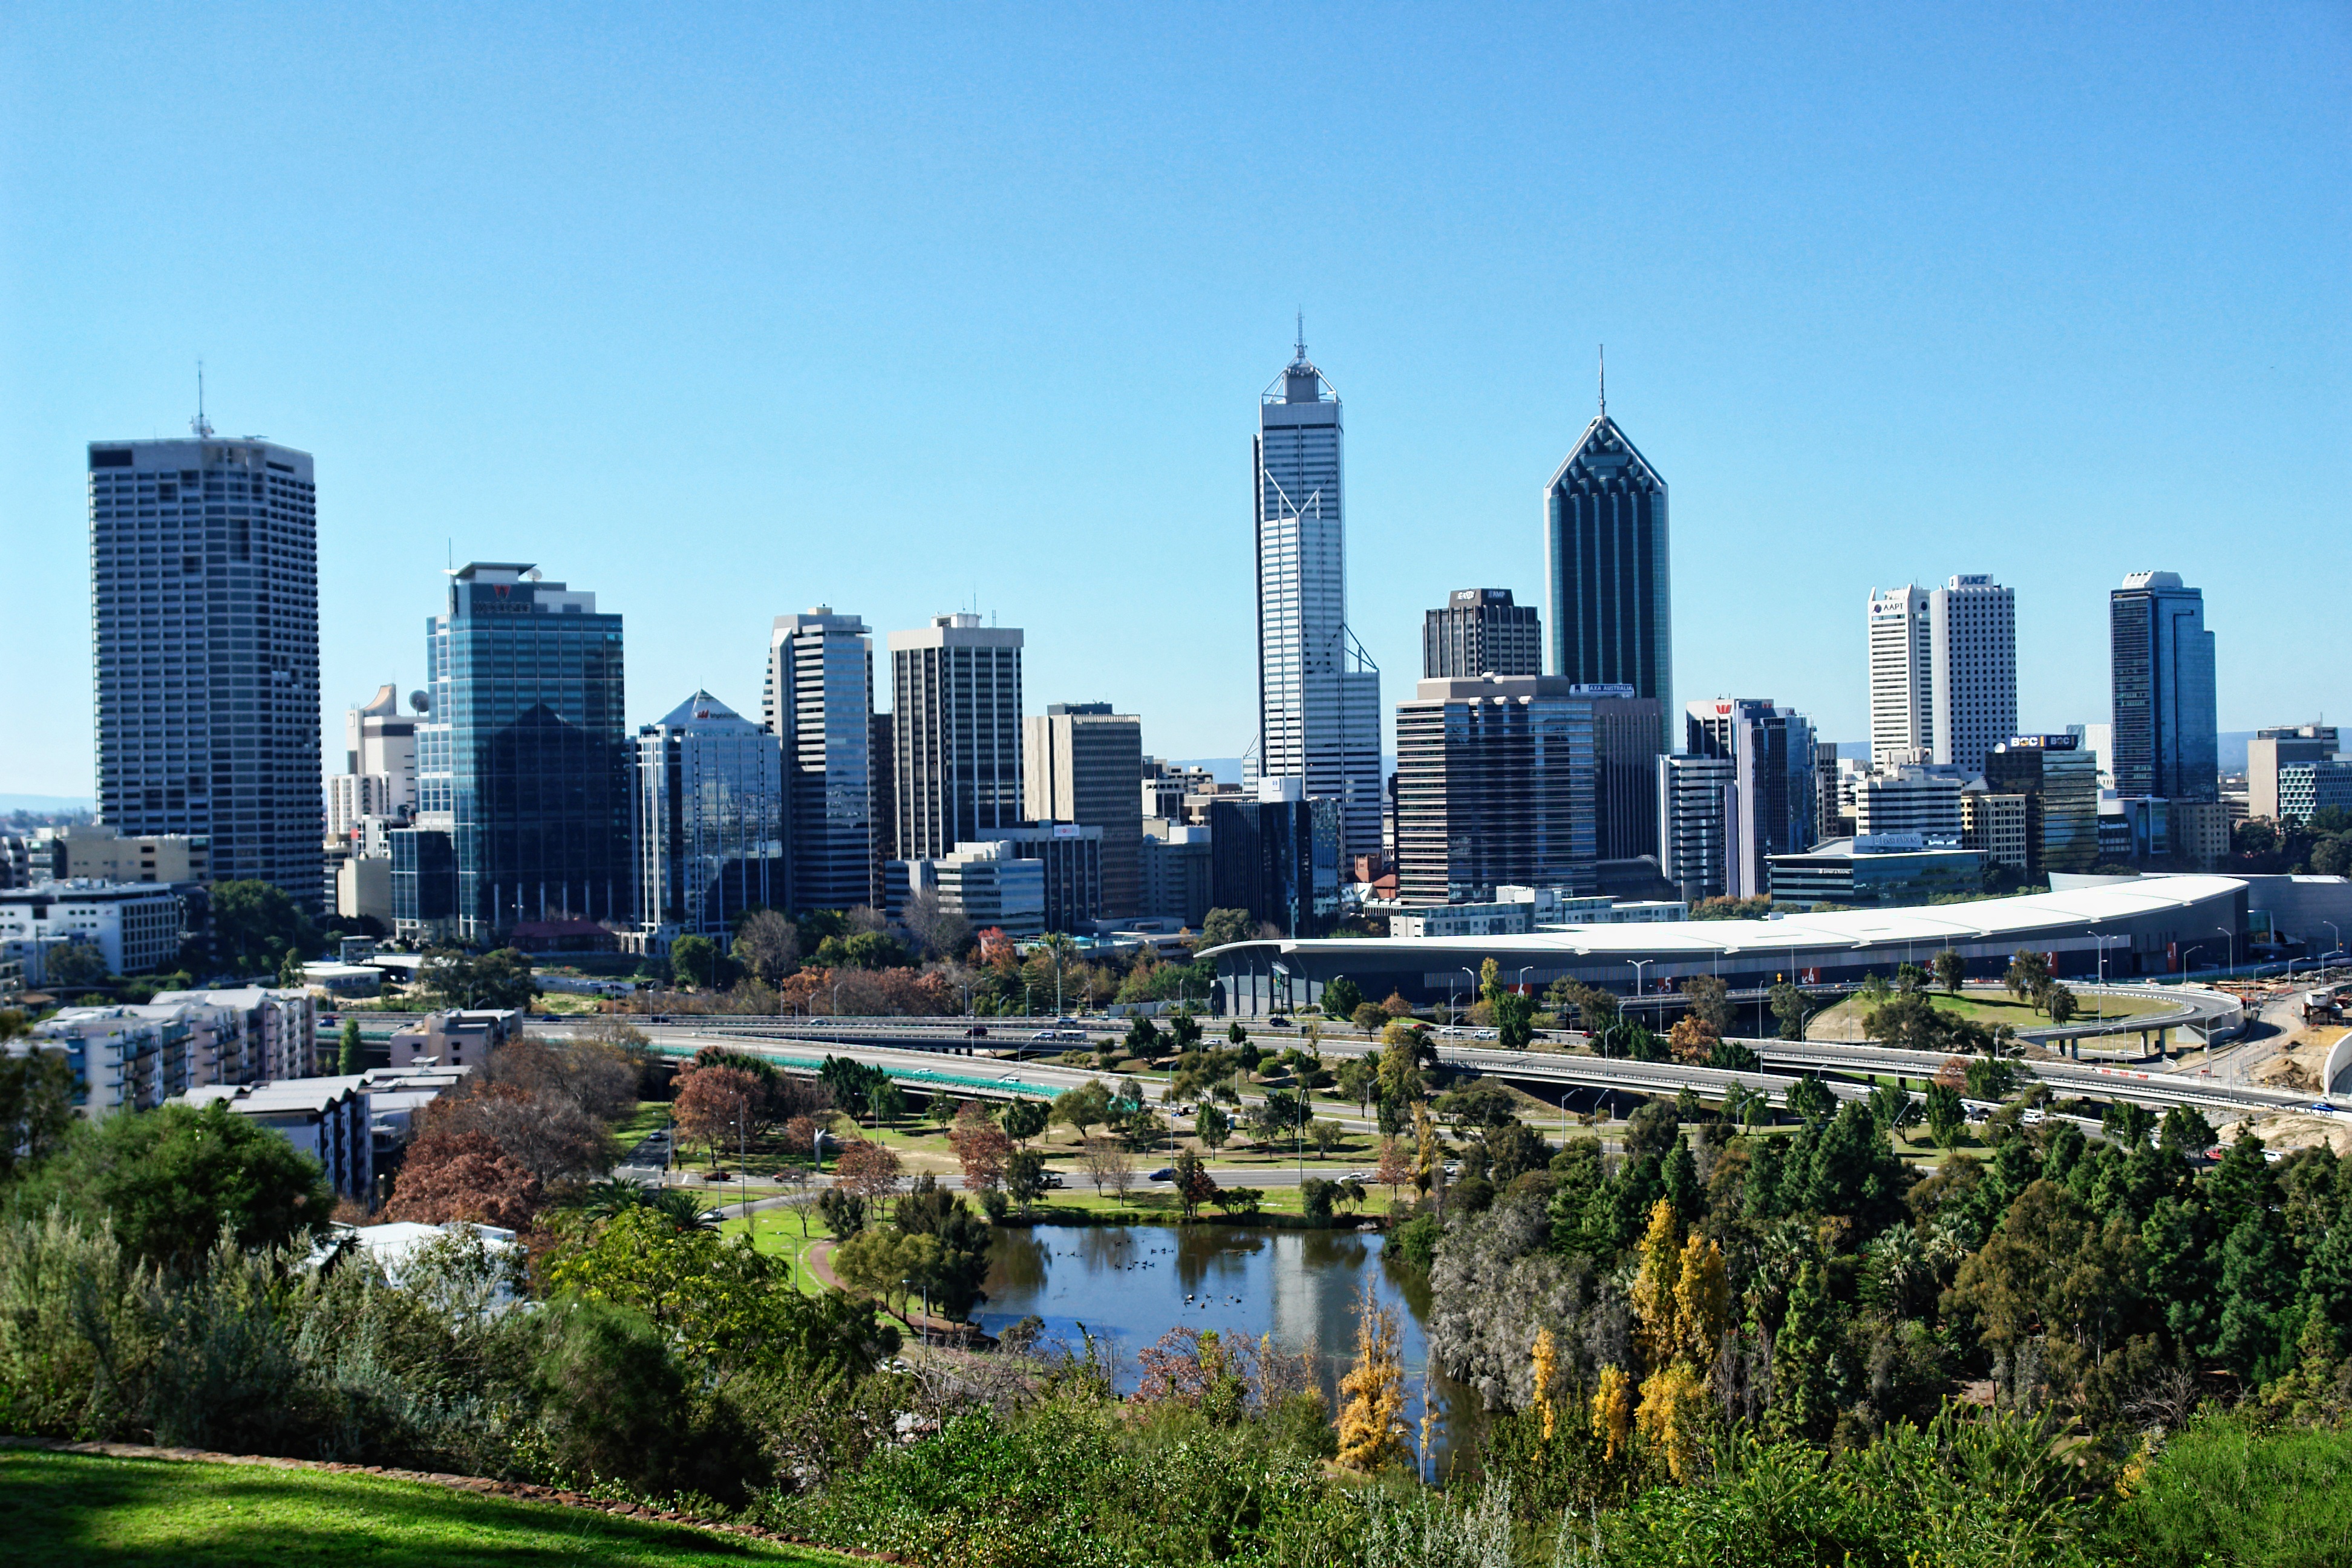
{"x":1301,"y":344}
{"x":1604,"y":381}
{"x":200,"y":424}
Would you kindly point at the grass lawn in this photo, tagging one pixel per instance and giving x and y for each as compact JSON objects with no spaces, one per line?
{"x":1843,"y":1022}
{"x":778,"y":1232}
{"x":76,"y":1508}
{"x":650,"y":1116}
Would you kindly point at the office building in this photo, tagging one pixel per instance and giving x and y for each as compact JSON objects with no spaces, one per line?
{"x":1909,"y":798}
{"x":1996,"y":826}
{"x":1943,"y":673}
{"x":1772,"y":802}
{"x":1882,"y":869}
{"x":956,"y":726}
{"x":989,"y":883}
{"x":1496,"y":784}
{"x":1481,"y":632}
{"x":379,"y":747}
{"x":1178,"y":873}
{"x":2306,"y":788}
{"x":2279,"y":747}
{"x":1829,"y":821}
{"x":2165,"y":720}
{"x":205,"y":626}
{"x":1606,"y":568}
{"x":1319,"y":695}
{"x":2060,"y":782}
{"x":1167,"y":786}
{"x":2172,"y":834}
{"x":134,"y":926}
{"x":423,"y":884}
{"x":882,"y":767}
{"x":527,"y":685}
{"x":93,"y":852}
{"x":1625,"y":772}
{"x":819,"y":704}
{"x":1697,"y":812}
{"x":710,"y":819}
{"x":1084,"y":764}
{"x":1277,"y":856}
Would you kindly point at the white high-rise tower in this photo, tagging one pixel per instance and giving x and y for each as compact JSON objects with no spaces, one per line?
{"x":1318,"y":694}
{"x":1943,"y":673}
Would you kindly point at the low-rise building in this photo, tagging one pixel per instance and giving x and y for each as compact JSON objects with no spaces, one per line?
{"x":94,"y":852}
{"x":2305,"y":789}
{"x":1879,"y":869}
{"x":1996,"y":826}
{"x":271,"y":1032}
{"x":326,"y":1118}
{"x":135,"y":925}
{"x":458,"y":1037}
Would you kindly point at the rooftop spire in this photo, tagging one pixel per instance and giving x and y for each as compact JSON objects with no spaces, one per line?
{"x":1604,"y":381}
{"x":1301,"y":344}
{"x":200,"y":424}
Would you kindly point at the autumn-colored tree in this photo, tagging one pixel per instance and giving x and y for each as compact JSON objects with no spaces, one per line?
{"x":1395,"y":1168}
{"x":1692,"y":1038}
{"x":1371,"y":1415}
{"x":1671,"y":1419}
{"x":463,"y":1177}
{"x":1612,"y":1410}
{"x":982,"y":1146}
{"x":867,"y":1170}
{"x":1954,"y":1074}
{"x":1658,"y":1328}
{"x":1702,"y":1301}
{"x":1545,"y":1357}
{"x":714,"y":1106}
{"x":1194,"y":1185}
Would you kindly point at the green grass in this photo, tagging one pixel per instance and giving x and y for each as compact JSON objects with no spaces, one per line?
{"x":76,"y":1508}
{"x":777,"y":1232}
{"x":650,"y":1116}
{"x":1845,"y":1020}
{"x":2220,"y":1493}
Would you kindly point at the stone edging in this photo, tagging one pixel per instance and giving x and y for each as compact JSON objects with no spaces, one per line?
{"x":520,"y":1491}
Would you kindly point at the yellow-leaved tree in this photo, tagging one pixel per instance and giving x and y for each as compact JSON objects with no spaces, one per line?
{"x":1547,"y":1367}
{"x":1612,"y":1410}
{"x":1682,"y":1304}
{"x":1371,"y":1414}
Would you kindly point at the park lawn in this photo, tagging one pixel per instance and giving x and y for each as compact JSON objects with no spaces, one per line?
{"x":650,"y":1116}
{"x":777,"y":1233}
{"x":1843,"y":1022}
{"x":76,"y":1508}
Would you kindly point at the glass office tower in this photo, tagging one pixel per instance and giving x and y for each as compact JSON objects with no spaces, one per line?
{"x":203,"y":568}
{"x":710,"y":818}
{"x":1605,"y":564}
{"x":527,"y":693}
{"x":819,"y":704}
{"x":2165,"y":717}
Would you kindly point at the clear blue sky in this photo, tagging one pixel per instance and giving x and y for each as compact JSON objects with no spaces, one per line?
{"x":722,"y":312}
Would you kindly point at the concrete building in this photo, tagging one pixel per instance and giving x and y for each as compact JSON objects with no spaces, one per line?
{"x":990,"y":884}
{"x":134,"y":925}
{"x":710,"y":820}
{"x":1887,"y":868}
{"x":329,"y":1119}
{"x":1481,"y":632}
{"x":2061,"y":783}
{"x":205,"y":625}
{"x":271,"y":1032}
{"x":1318,"y":694}
{"x":956,"y":723}
{"x":93,"y":852}
{"x":1167,"y":786}
{"x":1943,"y":673}
{"x":1518,"y":911}
{"x":527,"y":687}
{"x":1496,"y":784}
{"x":2305,"y":789}
{"x":1606,"y":568}
{"x":1178,"y":871}
{"x":1698,"y":805}
{"x":1908,"y":798}
{"x":1278,"y":858}
{"x":460,"y":1037}
{"x":1084,"y":764}
{"x":1997,"y":826}
{"x":1772,"y":803}
{"x":2279,"y":747}
{"x":136,"y":1057}
{"x":819,"y":704}
{"x":379,"y":776}
{"x":363,"y":890}
{"x":2165,"y":718}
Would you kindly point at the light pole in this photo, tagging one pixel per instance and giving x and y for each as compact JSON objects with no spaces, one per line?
{"x":836,"y":999}
{"x":1639,"y":965}
{"x":1474,"y":991}
{"x":2336,"y":945}
{"x":2231,"y":950}
{"x":1563,"y":1118}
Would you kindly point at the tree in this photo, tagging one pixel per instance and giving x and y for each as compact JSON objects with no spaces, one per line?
{"x":1945,"y":1115}
{"x":501,"y":979}
{"x":695,"y":960}
{"x":254,"y":924}
{"x":352,"y":1059}
{"x":1950,"y":970}
{"x":1213,"y":1126}
{"x":887,"y":1264}
{"x":1025,"y":1178}
{"x":463,"y":1177}
{"x":172,"y":1179}
{"x":714,"y":1107}
{"x":1024,"y":1119}
{"x":1802,"y":1398}
{"x":939,"y":930}
{"x":36,"y":1100}
{"x":981,"y":1147}
{"x":1220,"y":928}
{"x":1789,"y":1006}
{"x":1710,"y":1002}
{"x":2059,"y":1002}
{"x":1371,"y":1417}
{"x":1990,"y":1077}
{"x":1395,"y":1168}
{"x":1142,"y":1037}
{"x":767,"y":945}
{"x":1369,"y":1017}
{"x":1325,"y":1135}
{"x":73,"y":964}
{"x":1089,"y":1105}
{"x":867,"y":1170}
{"x":1106,"y":1163}
{"x":2028,"y":975}
{"x":1342,"y":997}
{"x":1514,"y":1021}
{"x":1692,"y":1039}
{"x":2186,"y":1129}
{"x":1811,"y":1099}
{"x":1194,"y":1185}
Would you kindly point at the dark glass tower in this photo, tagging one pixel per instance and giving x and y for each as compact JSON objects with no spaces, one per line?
{"x":539,"y":753}
{"x":1605,"y":568}
{"x":204,"y":572}
{"x":2164,"y":711}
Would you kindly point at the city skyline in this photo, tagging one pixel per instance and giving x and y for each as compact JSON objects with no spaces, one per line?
{"x":1871,"y":289}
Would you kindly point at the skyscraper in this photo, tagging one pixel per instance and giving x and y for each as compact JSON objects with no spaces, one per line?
{"x":819,"y":704}
{"x":710,"y":819}
{"x":1481,"y":632}
{"x":529,"y":691}
{"x":1495,"y":784}
{"x":203,"y":568}
{"x":1606,"y":567}
{"x":1084,"y":764}
{"x":2165,"y":711}
{"x":1771,"y":807}
{"x":1318,"y":694}
{"x":1943,"y":673}
{"x":2060,"y":783}
{"x":956,"y":724}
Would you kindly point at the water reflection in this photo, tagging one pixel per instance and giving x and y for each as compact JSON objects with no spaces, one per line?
{"x":1127,"y":1285}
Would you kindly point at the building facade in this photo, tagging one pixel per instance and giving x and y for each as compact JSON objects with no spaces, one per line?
{"x":1996,"y":826}
{"x":2279,"y":747}
{"x":1084,"y":764}
{"x":1883,"y":868}
{"x":1606,"y":560}
{"x":1625,"y":772}
{"x":2060,"y":782}
{"x":205,"y":630}
{"x":2307,"y":788}
{"x":1318,"y":694}
{"x":1908,"y":798}
{"x":135,"y":926}
{"x":1497,"y":782}
{"x":956,"y":726}
{"x":819,"y":704}
{"x":2165,"y":717}
{"x":710,"y":819}
{"x":1481,"y":632}
{"x":1698,"y":805}
{"x":1277,"y":856}
{"x":1178,"y":873}
{"x":1773,"y":804}
{"x":1902,"y":676}
{"x":87,"y":851}
{"x":539,"y":764}
{"x":1943,"y":673}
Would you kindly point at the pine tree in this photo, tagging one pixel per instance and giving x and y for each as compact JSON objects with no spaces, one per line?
{"x":353,"y":1056}
{"x":1801,"y":1381}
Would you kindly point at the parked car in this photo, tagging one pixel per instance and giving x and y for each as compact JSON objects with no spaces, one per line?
{"x":1054,"y":1178}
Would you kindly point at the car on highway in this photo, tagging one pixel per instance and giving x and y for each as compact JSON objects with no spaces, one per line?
{"x":711,"y":1216}
{"x":1165,"y":1173}
{"x":2326,"y":1108}
{"x":1067,"y":1024}
{"x":2032,"y":1119}
{"x":1278,"y":1020}
{"x":1010,"y":1078}
{"x":977,"y":1032}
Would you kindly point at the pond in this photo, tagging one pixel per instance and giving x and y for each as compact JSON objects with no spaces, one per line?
{"x":1128,"y":1285}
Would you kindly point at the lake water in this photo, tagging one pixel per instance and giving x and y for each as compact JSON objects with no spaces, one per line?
{"x":1128,"y":1285}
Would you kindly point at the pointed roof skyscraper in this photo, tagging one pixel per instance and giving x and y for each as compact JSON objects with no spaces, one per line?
{"x":1606,"y":565}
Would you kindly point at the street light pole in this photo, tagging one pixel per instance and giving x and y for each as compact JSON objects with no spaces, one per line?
{"x":1474,"y":991}
{"x":1639,"y":965}
{"x":2230,"y":937}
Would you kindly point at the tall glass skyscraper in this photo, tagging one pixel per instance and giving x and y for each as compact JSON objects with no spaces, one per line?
{"x":203,"y":568}
{"x":1318,"y":693}
{"x":1605,"y":565}
{"x":820,"y":704}
{"x":527,"y":700}
{"x":710,"y":818}
{"x":2166,"y":715}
